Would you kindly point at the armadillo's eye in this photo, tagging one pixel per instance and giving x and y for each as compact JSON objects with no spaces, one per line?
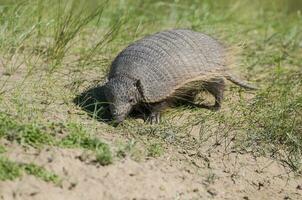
{"x":131,"y":100}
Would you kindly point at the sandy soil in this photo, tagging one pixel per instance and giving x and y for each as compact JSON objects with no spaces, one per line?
{"x":177,"y":174}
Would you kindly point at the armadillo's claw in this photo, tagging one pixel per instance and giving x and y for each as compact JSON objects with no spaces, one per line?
{"x":117,"y":121}
{"x":214,"y":107}
{"x":154,"y":118}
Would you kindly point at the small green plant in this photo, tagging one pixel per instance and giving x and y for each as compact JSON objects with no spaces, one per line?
{"x":9,"y":170}
{"x":210,"y":178}
{"x":103,"y":155}
{"x":34,"y":136}
{"x":155,"y":150}
{"x":41,"y":173}
{"x":130,"y":148}
{"x":2,"y":149}
{"x":78,"y":137}
{"x":24,"y":134}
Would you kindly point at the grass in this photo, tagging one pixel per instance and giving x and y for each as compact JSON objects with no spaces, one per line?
{"x":34,"y":136}
{"x":278,"y":123}
{"x":79,"y":138}
{"x":40,"y":172}
{"x":10,"y":170}
{"x":25,"y":134}
{"x":132,"y":148}
{"x":2,"y":149}
{"x":155,"y":150}
{"x":50,"y":51}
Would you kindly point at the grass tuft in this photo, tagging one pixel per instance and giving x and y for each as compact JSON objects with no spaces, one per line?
{"x":40,"y":172}
{"x":9,"y":170}
{"x":155,"y":150}
{"x":2,"y":149}
{"x":78,"y":137}
{"x":24,"y":134}
{"x":70,"y":20}
{"x":34,"y":136}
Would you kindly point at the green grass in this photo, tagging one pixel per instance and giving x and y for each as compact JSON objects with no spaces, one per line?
{"x":2,"y":149}
{"x":25,"y":134}
{"x":40,"y":172}
{"x":50,"y":51}
{"x":10,"y":170}
{"x":132,"y":148}
{"x":155,"y":150}
{"x":278,"y":123}
{"x":37,"y":137}
{"x":79,"y":138}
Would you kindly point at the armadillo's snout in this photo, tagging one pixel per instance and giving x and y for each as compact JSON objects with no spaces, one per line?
{"x":118,"y":117}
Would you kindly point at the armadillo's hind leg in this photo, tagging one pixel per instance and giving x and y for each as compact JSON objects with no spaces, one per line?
{"x":155,"y":109}
{"x":216,"y":88}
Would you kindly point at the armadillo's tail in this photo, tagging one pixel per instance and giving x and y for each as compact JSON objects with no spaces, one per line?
{"x":239,"y":82}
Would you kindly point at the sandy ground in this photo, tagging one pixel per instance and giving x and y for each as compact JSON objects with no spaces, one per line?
{"x":177,"y":174}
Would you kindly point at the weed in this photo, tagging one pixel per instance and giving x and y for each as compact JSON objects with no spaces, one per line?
{"x":278,"y":122}
{"x":131,"y":148}
{"x":25,"y":134}
{"x":103,"y":155}
{"x":40,"y":172}
{"x":210,"y":178}
{"x":9,"y":170}
{"x":155,"y":150}
{"x":2,"y":149}
{"x":78,"y":137}
{"x":33,"y":135}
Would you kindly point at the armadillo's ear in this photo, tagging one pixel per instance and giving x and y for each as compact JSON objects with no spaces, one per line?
{"x":139,"y":87}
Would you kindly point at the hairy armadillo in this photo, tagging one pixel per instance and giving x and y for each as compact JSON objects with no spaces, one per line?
{"x":153,"y":70}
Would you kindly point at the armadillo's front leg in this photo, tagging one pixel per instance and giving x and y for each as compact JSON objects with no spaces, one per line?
{"x":154,"y":118}
{"x":155,"y":112}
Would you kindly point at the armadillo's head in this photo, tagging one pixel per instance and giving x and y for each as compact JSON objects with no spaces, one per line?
{"x":122,"y":94}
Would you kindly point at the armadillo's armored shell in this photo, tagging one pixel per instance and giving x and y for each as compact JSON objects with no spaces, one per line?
{"x":165,"y":61}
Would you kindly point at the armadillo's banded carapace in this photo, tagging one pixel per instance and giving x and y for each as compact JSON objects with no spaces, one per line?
{"x":166,"y":61}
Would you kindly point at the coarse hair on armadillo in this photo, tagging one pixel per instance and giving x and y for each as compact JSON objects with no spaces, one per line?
{"x":232,"y":62}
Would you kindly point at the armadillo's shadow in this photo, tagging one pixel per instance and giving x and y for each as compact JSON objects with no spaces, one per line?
{"x":93,"y":101}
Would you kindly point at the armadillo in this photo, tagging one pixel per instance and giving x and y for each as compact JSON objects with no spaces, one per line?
{"x":169,"y":65}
